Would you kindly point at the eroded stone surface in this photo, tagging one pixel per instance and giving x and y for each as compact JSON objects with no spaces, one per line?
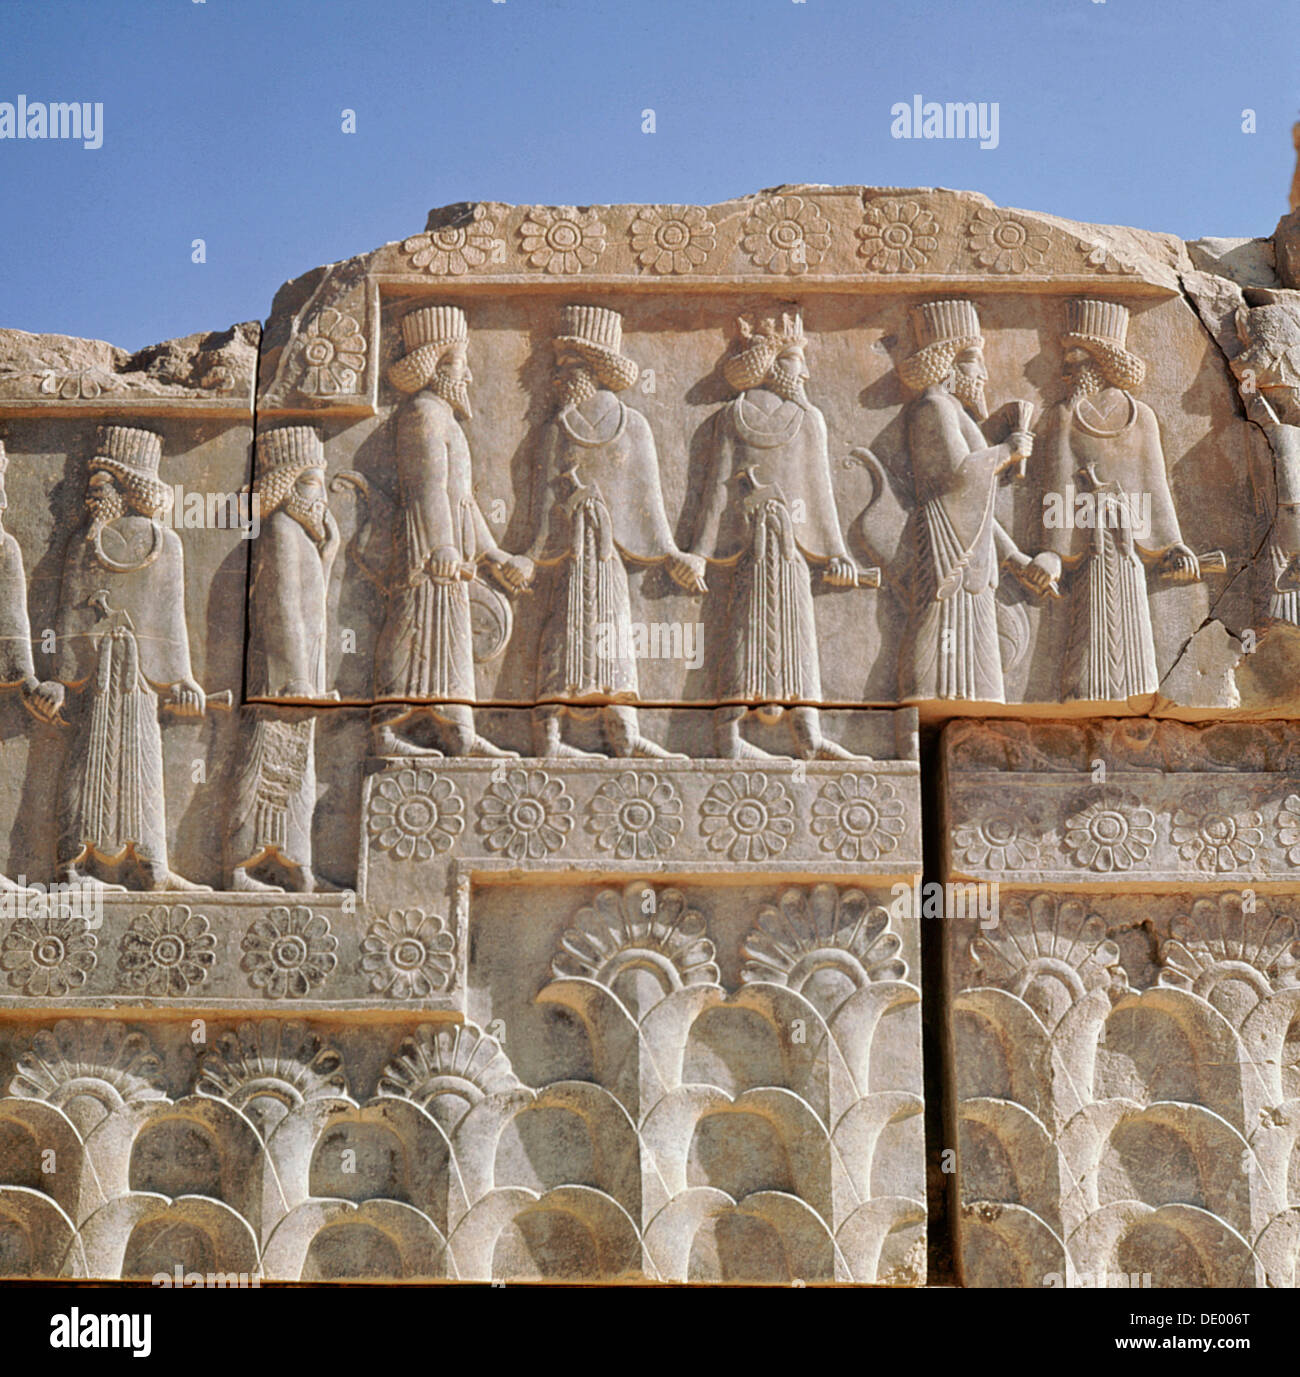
{"x":1123,"y":1094}
{"x":491,"y":733}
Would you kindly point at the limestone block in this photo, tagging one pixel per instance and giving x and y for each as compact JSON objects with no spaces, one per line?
{"x":621,"y":1023}
{"x":1120,"y":1007}
{"x":640,"y":376}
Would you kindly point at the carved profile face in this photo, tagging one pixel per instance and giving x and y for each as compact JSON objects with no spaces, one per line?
{"x":968,"y":378}
{"x":575,"y":379}
{"x":789,"y":372}
{"x":310,"y":485}
{"x":452,"y":379}
{"x":106,"y":499}
{"x":306,"y":502}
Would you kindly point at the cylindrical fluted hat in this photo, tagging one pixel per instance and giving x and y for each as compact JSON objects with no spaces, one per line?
{"x":282,"y":454}
{"x":125,"y":450}
{"x":296,"y":447}
{"x":1102,"y":320}
{"x":945,"y":322}
{"x":943,"y":329}
{"x":597,"y":334}
{"x":434,"y":325}
{"x":1101,"y":327}
{"x":427,"y":332}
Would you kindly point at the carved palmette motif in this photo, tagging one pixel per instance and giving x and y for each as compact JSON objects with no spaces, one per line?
{"x":274,"y":1107}
{"x":575,"y":1018}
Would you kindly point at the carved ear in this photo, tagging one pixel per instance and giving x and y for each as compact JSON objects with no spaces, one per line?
{"x":746,"y":329}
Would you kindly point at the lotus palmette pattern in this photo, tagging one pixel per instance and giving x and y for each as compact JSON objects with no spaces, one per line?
{"x":462,"y":1062}
{"x":637,"y":927}
{"x":806,"y":930}
{"x":84,"y":1057}
{"x":1219,"y":940}
{"x":1048,"y":951}
{"x":283,"y":1062}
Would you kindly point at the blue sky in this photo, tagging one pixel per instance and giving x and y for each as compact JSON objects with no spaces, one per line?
{"x":222,"y":122}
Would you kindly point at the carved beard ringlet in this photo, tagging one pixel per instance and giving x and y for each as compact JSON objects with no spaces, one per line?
{"x":105,"y":506}
{"x":455,"y":393}
{"x":1087,"y":379}
{"x":309,"y":515}
{"x":786,"y":382}
{"x":575,"y":385}
{"x":969,"y":392}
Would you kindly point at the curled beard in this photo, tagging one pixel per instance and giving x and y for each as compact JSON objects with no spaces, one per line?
{"x":109,"y":507}
{"x":309,"y":515}
{"x":455,"y":394}
{"x":1086,"y":382}
{"x":970,"y":393}
{"x":576,"y":386}
{"x":786,"y":382}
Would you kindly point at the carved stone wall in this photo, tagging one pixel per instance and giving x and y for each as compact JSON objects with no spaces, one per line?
{"x":461,"y":758}
{"x":1123,"y":1053}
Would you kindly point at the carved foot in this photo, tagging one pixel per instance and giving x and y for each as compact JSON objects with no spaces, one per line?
{"x":243,"y":883}
{"x":310,"y":883}
{"x":171,"y":880}
{"x":642,"y":747}
{"x":561,"y":750}
{"x":737,"y":748}
{"x":828,"y":750}
{"x":70,"y":875}
{"x":482,"y":746}
{"x":387,"y":742}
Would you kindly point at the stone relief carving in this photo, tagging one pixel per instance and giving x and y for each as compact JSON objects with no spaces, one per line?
{"x":293,"y":555}
{"x":1103,"y":442}
{"x":952,"y":647}
{"x":17,"y":665}
{"x":425,"y":653}
{"x":769,"y":509}
{"x":1123,"y":1081}
{"x":599,"y":504}
{"x":832,"y":1181}
{"x":122,"y":640}
{"x":1268,"y":372}
{"x":558,"y":995}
